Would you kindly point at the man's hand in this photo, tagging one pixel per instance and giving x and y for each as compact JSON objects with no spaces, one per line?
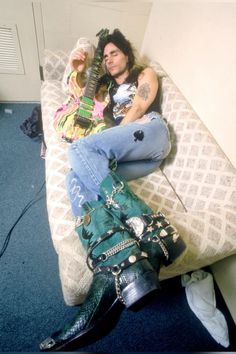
{"x":78,"y":60}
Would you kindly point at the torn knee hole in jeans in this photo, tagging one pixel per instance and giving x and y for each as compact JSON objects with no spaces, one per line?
{"x":113,"y":164}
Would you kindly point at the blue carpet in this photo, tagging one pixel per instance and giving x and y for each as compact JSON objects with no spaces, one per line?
{"x":31,"y":302}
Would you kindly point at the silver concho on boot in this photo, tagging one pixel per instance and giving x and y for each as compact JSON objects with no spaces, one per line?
{"x":137,"y":224}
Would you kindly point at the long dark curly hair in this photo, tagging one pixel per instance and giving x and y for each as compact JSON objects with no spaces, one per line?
{"x":119,"y":40}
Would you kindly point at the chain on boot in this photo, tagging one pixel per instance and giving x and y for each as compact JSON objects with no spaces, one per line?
{"x":156,"y":235}
{"x":111,"y":249}
{"x":121,"y":274}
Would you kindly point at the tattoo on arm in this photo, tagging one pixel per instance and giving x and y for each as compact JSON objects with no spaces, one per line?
{"x":143,"y":91}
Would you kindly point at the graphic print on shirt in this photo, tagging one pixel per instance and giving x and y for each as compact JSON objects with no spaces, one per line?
{"x":123,"y":100}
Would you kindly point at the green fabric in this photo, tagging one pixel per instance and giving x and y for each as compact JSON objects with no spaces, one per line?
{"x":129,"y":203}
{"x":97,"y":221}
{"x":125,"y":204}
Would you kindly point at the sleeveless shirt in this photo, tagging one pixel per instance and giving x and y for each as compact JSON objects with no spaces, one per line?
{"x":121,"y":97}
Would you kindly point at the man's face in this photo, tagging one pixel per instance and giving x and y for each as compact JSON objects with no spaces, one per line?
{"x":115,"y":60}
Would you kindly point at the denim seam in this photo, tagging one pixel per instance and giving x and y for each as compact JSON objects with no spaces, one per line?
{"x":86,"y":165}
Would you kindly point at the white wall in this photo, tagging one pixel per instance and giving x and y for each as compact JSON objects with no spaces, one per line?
{"x":64,"y":21}
{"x":194,"y":41}
{"x":19,"y":62}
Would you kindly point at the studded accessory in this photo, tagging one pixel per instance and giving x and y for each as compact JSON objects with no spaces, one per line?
{"x":118,"y":268}
{"x":153,"y":231}
{"x":113,"y":250}
{"x":143,"y":225}
{"x":103,"y":237}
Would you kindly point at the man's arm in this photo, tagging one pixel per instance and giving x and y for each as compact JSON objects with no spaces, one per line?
{"x":78,"y":62}
{"x":145,"y":95}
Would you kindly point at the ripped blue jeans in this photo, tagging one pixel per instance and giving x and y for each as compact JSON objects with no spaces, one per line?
{"x":132,"y":150}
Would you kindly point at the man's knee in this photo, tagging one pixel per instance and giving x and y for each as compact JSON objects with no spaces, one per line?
{"x":76,"y":146}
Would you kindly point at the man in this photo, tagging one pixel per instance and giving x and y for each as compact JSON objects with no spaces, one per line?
{"x":126,"y":243}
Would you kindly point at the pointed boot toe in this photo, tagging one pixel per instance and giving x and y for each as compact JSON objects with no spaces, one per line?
{"x":100,"y":304}
{"x":48,"y":344}
{"x":122,"y":274}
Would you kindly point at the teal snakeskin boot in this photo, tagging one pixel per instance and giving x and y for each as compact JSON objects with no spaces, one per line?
{"x":121,"y":273}
{"x":157,"y":237}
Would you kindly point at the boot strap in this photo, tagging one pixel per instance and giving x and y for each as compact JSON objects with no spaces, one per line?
{"x":146,"y":223}
{"x":118,"y":268}
{"x":113,"y":250}
{"x":100,"y":239}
